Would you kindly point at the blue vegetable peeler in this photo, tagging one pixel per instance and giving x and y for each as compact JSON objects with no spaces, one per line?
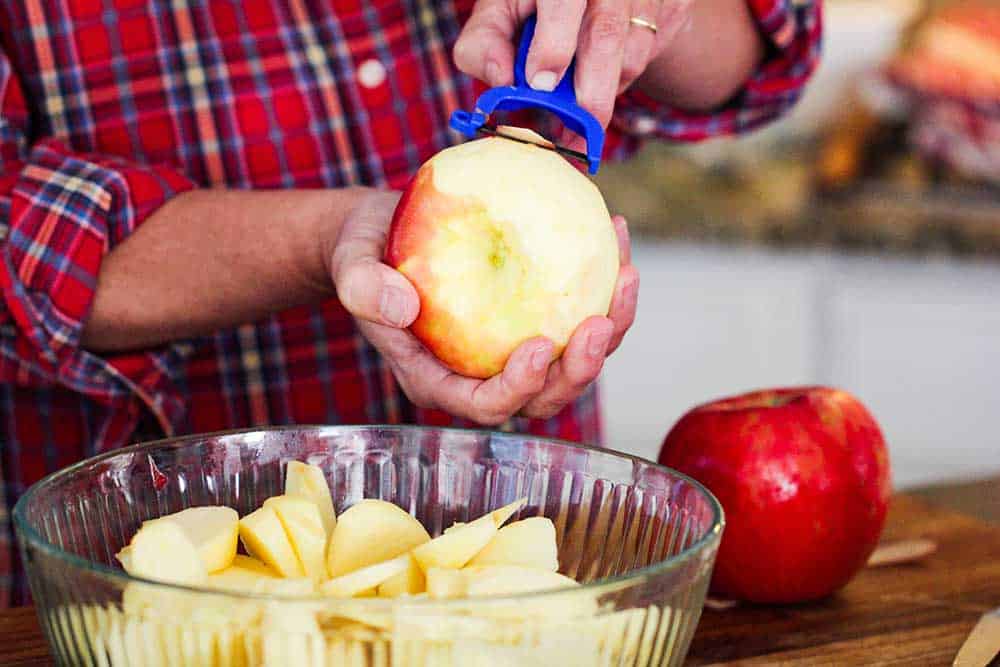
{"x":561,"y":102}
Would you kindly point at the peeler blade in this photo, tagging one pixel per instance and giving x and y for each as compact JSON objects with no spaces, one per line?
{"x":510,"y":134}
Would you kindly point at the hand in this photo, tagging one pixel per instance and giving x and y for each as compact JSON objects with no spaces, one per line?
{"x":611,"y":52}
{"x":384,"y":303}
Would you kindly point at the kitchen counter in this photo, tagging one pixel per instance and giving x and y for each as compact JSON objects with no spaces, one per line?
{"x":916,"y":614}
{"x":750,"y":194}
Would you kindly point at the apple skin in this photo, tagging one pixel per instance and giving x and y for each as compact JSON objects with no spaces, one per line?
{"x":413,"y":221}
{"x":803,"y":477}
{"x":503,"y":242}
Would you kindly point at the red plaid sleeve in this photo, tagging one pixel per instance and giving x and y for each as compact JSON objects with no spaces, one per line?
{"x":793,"y":30}
{"x":61,"y":212}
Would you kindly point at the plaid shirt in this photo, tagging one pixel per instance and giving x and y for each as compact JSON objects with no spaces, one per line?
{"x":108,"y":108}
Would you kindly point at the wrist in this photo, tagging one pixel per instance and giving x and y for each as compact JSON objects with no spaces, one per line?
{"x":327,"y":211}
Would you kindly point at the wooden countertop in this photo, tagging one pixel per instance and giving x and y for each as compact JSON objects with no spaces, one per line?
{"x":916,"y":614}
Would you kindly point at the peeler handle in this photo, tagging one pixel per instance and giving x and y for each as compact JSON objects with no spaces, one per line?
{"x":564,"y":91}
{"x":561,"y":101}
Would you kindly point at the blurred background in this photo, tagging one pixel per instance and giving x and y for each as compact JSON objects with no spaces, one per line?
{"x":855,"y":244}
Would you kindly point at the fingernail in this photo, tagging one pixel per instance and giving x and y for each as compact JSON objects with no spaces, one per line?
{"x":541,"y":358}
{"x":544,"y":81}
{"x":392,"y":305}
{"x":493,"y":74}
{"x":597,"y":343}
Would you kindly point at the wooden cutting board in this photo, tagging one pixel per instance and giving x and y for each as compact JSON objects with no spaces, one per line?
{"x":917,"y":614}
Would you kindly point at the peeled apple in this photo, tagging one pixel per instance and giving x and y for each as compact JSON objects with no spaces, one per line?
{"x":529,"y":542}
{"x":304,"y":529}
{"x":161,"y":550}
{"x":213,"y":530}
{"x":503,"y":241}
{"x":265,"y":537}
{"x":307,"y":481}
{"x":371,"y":531}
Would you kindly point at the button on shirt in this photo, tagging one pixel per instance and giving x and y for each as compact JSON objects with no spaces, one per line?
{"x":109,"y":108}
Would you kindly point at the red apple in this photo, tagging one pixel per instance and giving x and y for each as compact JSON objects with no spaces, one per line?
{"x":803,"y":477}
{"x":504,"y":241}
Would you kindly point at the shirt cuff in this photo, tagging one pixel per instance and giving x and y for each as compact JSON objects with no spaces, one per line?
{"x":792,"y":30}
{"x":66,"y":211}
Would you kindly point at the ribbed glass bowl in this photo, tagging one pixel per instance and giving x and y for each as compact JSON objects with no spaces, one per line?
{"x":641,"y":538}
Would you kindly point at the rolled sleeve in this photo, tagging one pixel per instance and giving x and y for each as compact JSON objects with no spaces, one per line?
{"x":61,"y":212}
{"x":792,"y":30}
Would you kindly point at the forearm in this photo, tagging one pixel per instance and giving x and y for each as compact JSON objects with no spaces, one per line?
{"x":214,"y":259}
{"x":709,"y":60}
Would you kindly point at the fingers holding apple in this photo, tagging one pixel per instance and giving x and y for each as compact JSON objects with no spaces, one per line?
{"x":508,"y":245}
{"x":579,"y":365}
{"x":591,"y":343}
{"x":500,"y":259}
{"x":430,"y":384}
{"x":367,"y":288}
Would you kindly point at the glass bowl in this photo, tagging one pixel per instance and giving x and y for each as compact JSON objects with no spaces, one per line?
{"x":641,"y":538}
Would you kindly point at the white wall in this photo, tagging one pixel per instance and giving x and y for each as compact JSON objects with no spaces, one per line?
{"x":917,"y":340}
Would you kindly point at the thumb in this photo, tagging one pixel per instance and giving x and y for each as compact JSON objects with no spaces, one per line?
{"x":372,"y":291}
{"x":367,"y":288}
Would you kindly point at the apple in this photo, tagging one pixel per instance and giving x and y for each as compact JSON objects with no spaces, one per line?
{"x":161,"y":550}
{"x":529,"y":542}
{"x":506,"y":580}
{"x":214,"y":531}
{"x":304,"y":529}
{"x":211,"y":531}
{"x":371,"y":531}
{"x":503,"y":241}
{"x":245,"y":573}
{"x":803,"y":478}
{"x":307,"y":481}
{"x":456,"y":547}
{"x":501,"y":514}
{"x":265,"y":538}
{"x":365,"y":581}
{"x":408,"y":582}
{"x":445,"y":584}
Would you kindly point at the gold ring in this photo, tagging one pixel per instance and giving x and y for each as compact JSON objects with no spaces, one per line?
{"x":644,"y":23}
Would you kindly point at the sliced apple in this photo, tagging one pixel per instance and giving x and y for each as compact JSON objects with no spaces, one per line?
{"x":307,"y":481}
{"x":370,"y":532}
{"x":365,"y":579}
{"x":214,"y":531}
{"x":294,"y":587}
{"x":187,"y":627}
{"x":335,"y":613}
{"x":443,"y":584}
{"x":290,"y":635}
{"x":409,"y":582}
{"x":125,"y":557}
{"x":529,"y":543}
{"x":264,"y":537}
{"x":513,"y":580}
{"x":244,"y":575}
{"x":456,"y":547}
{"x":506,"y":580}
{"x":501,"y":514}
{"x":303,"y":526}
{"x":161,"y":550}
